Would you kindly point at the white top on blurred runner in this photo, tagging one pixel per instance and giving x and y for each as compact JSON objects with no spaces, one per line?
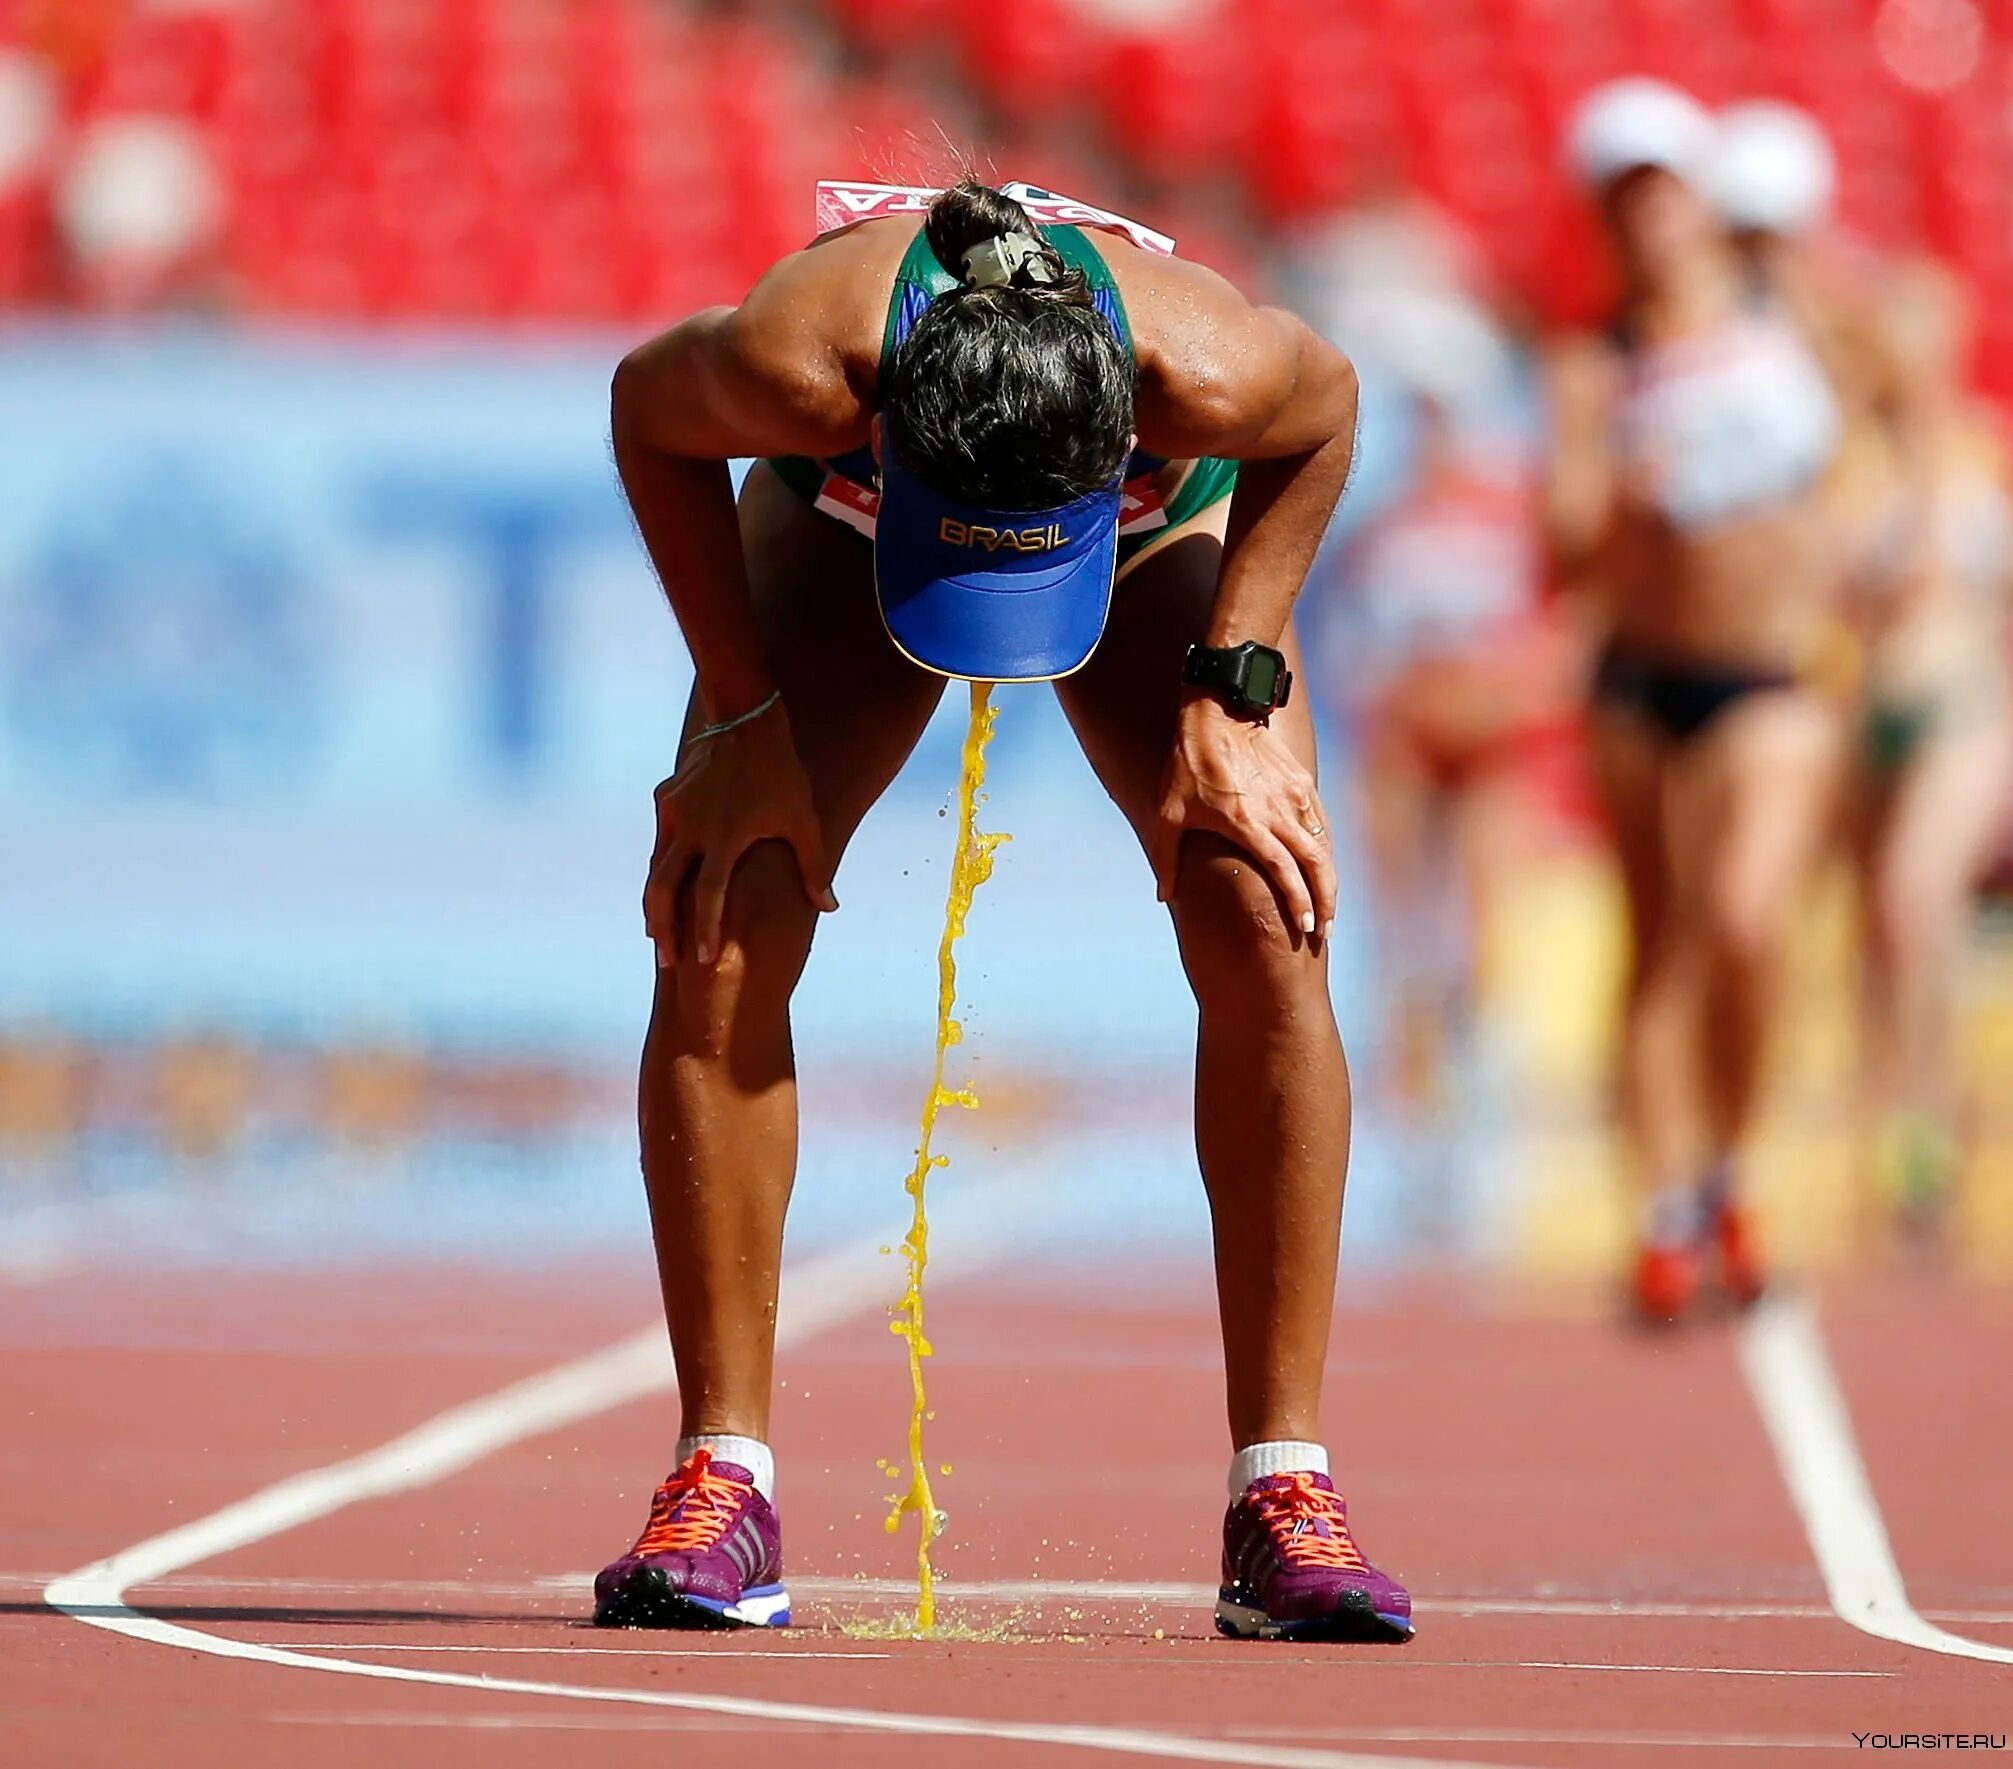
{"x":841,"y":202}
{"x":1722,"y":424}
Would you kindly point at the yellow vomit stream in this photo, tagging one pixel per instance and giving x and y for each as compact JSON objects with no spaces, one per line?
{"x":971,"y":866}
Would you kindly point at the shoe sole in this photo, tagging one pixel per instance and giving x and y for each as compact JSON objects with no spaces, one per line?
{"x":1740,"y":1297}
{"x":647,"y":1600}
{"x":1354,"y":1622}
{"x":1742,"y":1283}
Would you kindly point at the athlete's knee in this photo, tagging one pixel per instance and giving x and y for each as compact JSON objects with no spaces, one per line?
{"x":1657,"y":955}
{"x":1913,"y":912}
{"x":765,"y":938}
{"x":1894,"y":908}
{"x":1236,"y":946}
{"x":1748,"y":928}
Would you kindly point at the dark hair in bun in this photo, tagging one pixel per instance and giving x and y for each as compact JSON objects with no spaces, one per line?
{"x":1016,"y":395}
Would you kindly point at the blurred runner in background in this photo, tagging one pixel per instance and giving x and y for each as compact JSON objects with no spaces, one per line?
{"x":1935,"y":748}
{"x":1452,"y":674}
{"x":1691,"y":444}
{"x":1772,"y":180}
{"x":1427,"y":636}
{"x":1922,"y":505}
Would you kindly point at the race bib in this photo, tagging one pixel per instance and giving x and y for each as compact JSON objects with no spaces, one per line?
{"x":856,"y":505}
{"x":841,"y":202}
{"x":1141,"y":509}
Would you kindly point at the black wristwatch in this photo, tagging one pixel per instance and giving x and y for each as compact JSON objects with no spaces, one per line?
{"x":1251,"y":679}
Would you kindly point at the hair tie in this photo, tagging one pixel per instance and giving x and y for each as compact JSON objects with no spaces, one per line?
{"x":995,"y":262}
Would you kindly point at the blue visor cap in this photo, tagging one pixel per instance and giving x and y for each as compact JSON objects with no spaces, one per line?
{"x":993,"y":595}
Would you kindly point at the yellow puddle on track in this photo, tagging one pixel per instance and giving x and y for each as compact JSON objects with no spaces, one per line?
{"x":1016,"y":1629}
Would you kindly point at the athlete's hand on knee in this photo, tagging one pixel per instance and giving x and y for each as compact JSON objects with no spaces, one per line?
{"x":734,"y":788}
{"x":1239,"y":779}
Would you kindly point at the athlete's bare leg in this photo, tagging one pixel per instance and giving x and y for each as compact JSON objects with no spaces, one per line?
{"x":1930,"y":836}
{"x":1659,"y":1082}
{"x":718,"y":1095}
{"x":1271,"y":1087}
{"x":1494,"y":833}
{"x":1754,"y":802}
{"x":1399,"y":817}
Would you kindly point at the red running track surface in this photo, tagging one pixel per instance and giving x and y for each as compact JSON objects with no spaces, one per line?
{"x":1607,"y":1565}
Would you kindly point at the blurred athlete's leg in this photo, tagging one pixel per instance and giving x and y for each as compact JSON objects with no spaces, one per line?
{"x":1760,"y":795}
{"x":1658,"y":1082}
{"x":1931,"y":836}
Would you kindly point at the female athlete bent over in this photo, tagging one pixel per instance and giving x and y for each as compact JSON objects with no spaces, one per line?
{"x":996,"y":398}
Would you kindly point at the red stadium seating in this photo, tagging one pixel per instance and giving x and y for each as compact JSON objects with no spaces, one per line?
{"x":623,"y":158}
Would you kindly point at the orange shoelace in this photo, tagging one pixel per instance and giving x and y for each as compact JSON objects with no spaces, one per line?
{"x":692,"y":1509}
{"x":1297,"y":1512}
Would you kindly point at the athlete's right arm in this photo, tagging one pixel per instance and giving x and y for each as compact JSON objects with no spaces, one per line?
{"x":1580,"y":489}
{"x":764,"y":378}
{"x":752,"y":380}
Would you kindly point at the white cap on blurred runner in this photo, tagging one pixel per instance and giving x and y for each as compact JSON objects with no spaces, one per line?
{"x":1639,"y":122}
{"x":1772,"y":169}
{"x":139,"y":188}
{"x":27,"y":115}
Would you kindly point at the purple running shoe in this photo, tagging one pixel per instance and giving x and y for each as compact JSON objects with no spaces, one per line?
{"x":1292,"y":1571}
{"x":711,"y":1556}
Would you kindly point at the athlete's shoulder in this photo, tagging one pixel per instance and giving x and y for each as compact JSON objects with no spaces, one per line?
{"x":813,"y":319}
{"x":789,"y":370}
{"x":1217,"y":368}
{"x":1175,"y":305}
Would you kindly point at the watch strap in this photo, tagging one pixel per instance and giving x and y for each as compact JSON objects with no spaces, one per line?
{"x":1226,"y":668}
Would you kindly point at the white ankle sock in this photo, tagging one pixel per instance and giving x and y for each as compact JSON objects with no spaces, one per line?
{"x":1717,"y":1188}
{"x":1671,"y":1216}
{"x":1283,"y":1457}
{"x":745,"y":1452}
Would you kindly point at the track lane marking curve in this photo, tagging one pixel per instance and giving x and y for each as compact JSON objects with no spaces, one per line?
{"x":1802,"y":1409}
{"x":817,"y":1294}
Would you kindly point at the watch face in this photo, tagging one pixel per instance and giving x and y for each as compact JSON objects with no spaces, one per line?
{"x":1261,"y":677}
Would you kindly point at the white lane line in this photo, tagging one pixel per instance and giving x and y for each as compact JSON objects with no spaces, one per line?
{"x":1783,"y":1357}
{"x":826,"y":1589}
{"x":778,"y":1652}
{"x":629,"y":1370}
{"x":1111,"y":1740}
{"x":1184,"y":1595}
{"x":825,"y":1292}
{"x":545,"y":1720}
{"x":550,"y":1722}
{"x":1488,"y":1735}
{"x":1790,"y":1741}
{"x":1552,"y":1664}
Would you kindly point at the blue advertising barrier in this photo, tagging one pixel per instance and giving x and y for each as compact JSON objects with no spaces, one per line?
{"x":333,"y":687}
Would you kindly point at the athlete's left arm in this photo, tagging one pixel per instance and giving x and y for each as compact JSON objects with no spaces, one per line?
{"x":1221,"y":376}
